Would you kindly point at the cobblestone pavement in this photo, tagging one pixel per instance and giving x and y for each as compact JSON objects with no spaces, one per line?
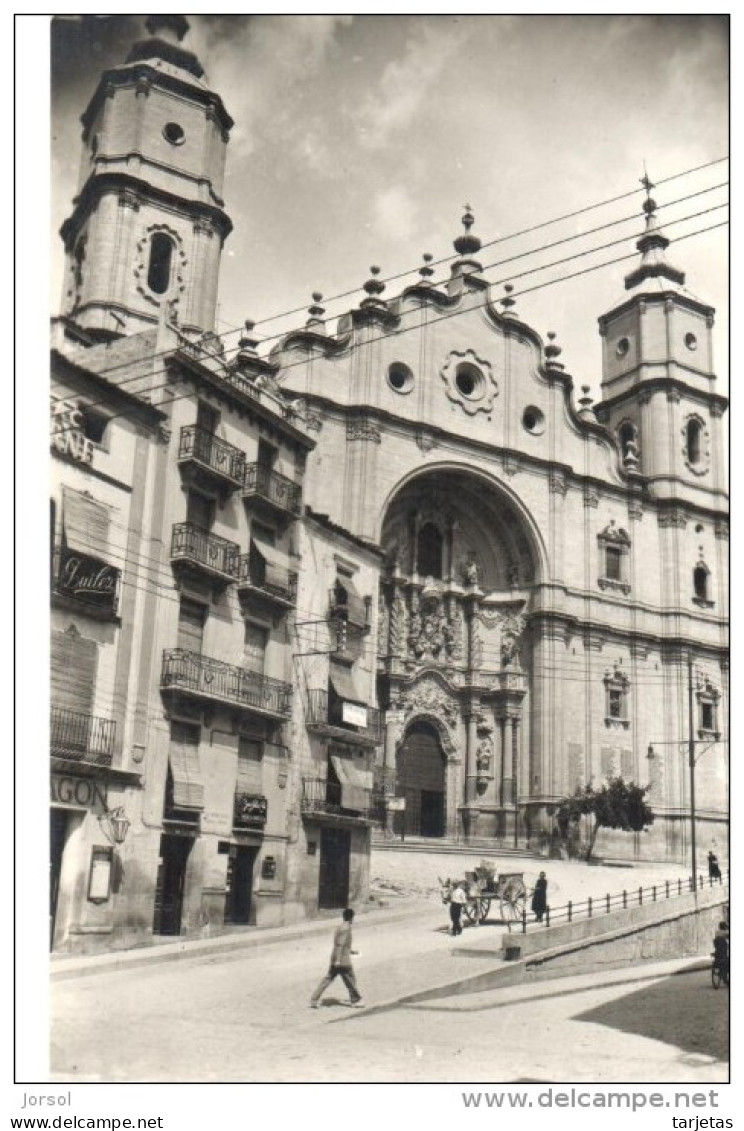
{"x":244,"y":1016}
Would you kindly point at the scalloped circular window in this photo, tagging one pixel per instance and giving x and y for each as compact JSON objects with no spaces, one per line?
{"x":691,"y":341}
{"x":533,"y":420}
{"x":469,"y":381}
{"x":622,"y":347}
{"x":174,"y":133}
{"x":400,"y":377}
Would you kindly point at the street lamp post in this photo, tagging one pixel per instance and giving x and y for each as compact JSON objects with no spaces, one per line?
{"x":691,"y":759}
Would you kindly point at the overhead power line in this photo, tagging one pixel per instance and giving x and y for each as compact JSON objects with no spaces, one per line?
{"x":449,"y":314}
{"x":492,"y":242}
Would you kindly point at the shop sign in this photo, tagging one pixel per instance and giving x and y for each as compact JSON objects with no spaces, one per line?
{"x":88,"y":578}
{"x":67,"y":430}
{"x":78,"y":791}
{"x":354,"y":714}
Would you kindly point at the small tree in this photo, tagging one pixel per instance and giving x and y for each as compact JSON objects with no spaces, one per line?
{"x":616,"y":805}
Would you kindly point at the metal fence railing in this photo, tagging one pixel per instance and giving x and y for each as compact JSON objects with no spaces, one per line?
{"x":594,"y":906}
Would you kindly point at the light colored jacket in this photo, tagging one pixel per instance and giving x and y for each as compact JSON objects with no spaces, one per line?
{"x":341,"y":954}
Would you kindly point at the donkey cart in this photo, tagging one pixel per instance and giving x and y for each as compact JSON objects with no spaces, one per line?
{"x":484,"y":886}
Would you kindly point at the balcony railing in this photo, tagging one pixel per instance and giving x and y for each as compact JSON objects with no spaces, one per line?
{"x":322,"y":796}
{"x":206,"y":678}
{"x":253,"y":574}
{"x":329,"y":715}
{"x":250,"y":811}
{"x":81,"y":737}
{"x":215,"y":455}
{"x":270,"y":487}
{"x":198,"y":548}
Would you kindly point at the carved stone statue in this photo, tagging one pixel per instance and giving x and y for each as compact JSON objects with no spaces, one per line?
{"x":470,"y":571}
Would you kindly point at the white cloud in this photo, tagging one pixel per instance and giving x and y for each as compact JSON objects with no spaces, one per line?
{"x":406,"y":84}
{"x":395,"y":213}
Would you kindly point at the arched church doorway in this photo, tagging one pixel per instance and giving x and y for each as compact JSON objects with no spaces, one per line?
{"x":420,"y":766}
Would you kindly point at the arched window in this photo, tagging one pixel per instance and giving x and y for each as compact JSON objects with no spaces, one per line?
{"x":694,"y":429}
{"x":161,"y":256}
{"x":700,"y":582}
{"x":429,"y":557}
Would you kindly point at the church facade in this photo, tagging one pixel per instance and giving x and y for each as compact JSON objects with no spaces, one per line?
{"x":393,"y":573}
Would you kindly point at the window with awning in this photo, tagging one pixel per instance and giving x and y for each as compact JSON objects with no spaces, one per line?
{"x":348,"y":602}
{"x":356,"y":782}
{"x":85,"y":523}
{"x":183,"y":754}
{"x":271,"y":563}
{"x":352,"y":707}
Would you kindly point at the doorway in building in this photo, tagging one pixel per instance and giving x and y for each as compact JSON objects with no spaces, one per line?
{"x":57,"y":838}
{"x":420,"y":769}
{"x":174,"y":855}
{"x":240,"y":884}
{"x":335,"y":851}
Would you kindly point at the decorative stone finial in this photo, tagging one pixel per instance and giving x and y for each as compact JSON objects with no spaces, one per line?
{"x":468,"y":243}
{"x":248,"y":340}
{"x":426,"y":271}
{"x":553,"y":352}
{"x":508,"y":302}
{"x":374,"y":286}
{"x":171,"y":28}
{"x":316,"y":311}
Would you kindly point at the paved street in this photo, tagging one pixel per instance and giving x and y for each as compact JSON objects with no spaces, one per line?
{"x":244,"y":1016}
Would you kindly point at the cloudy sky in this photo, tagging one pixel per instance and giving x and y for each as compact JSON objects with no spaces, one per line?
{"x":358,"y":139}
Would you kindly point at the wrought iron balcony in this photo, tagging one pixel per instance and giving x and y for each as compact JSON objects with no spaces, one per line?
{"x":216,"y":461}
{"x":193,"y":674}
{"x":250,"y":811}
{"x":323,"y":797}
{"x":81,"y":737}
{"x":204,"y":553}
{"x":349,"y":722}
{"x":279,"y":587}
{"x":271,"y":491}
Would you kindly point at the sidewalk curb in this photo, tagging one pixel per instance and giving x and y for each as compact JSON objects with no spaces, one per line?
{"x":83,"y":966}
{"x":506,"y":975}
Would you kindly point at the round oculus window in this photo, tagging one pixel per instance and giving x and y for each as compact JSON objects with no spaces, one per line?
{"x":174,"y":133}
{"x":400,"y":377}
{"x":469,"y":381}
{"x":622,"y":347}
{"x":691,"y":341}
{"x":533,"y":420}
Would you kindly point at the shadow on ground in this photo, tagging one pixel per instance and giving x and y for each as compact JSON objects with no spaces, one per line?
{"x":682,"y":1010}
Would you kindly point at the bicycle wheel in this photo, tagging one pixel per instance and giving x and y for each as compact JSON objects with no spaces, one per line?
{"x":715,"y":976}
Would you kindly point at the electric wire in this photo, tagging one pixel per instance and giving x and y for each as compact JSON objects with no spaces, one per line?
{"x":489,"y":243}
{"x":148,"y":390}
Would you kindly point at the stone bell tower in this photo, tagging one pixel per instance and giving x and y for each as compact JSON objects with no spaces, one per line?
{"x":658,"y":380}
{"x":148,"y":221}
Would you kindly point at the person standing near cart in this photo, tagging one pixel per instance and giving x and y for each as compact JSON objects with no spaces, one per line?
{"x":540,"y":897}
{"x":340,"y":964}
{"x":458,"y":899}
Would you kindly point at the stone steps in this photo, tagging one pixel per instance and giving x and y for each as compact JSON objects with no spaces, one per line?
{"x":445,"y":845}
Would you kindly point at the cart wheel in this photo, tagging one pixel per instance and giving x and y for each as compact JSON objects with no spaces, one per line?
{"x":485,"y":907}
{"x":513,"y":902}
{"x":471,"y":909}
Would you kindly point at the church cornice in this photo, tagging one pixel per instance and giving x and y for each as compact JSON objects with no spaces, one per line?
{"x":550,"y":622}
{"x":143,"y":192}
{"x":131,"y":73}
{"x":649,"y":385}
{"x":659,"y":298}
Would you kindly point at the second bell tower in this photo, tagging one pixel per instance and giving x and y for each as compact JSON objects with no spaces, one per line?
{"x":148,"y":222}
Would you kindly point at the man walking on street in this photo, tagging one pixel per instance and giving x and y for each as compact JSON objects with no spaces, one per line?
{"x":340,"y":965}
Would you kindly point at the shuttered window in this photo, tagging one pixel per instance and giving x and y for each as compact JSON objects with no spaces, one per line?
{"x":191,"y":617}
{"x":73,"y":671}
{"x":188,"y":789}
{"x":254,"y":651}
{"x":86,"y":524}
{"x":200,"y":511}
{"x":250,"y":766}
